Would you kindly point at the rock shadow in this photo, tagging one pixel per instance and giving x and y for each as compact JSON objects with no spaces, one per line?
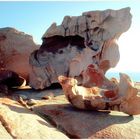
{"x":81,"y":123}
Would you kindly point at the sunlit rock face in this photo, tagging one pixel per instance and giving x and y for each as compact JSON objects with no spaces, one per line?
{"x":68,"y":49}
{"x":15,"y":48}
{"x":123,"y":97}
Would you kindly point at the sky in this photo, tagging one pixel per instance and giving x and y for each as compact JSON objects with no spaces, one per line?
{"x":35,"y":17}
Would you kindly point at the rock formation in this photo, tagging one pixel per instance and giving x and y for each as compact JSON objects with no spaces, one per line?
{"x":123,"y":98}
{"x":68,"y":49}
{"x":15,"y":48}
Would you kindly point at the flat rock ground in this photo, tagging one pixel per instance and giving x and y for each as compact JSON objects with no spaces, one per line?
{"x":30,"y":114}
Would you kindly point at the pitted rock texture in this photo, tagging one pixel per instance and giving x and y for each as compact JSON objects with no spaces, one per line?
{"x":79,"y":41}
{"x":15,"y":48}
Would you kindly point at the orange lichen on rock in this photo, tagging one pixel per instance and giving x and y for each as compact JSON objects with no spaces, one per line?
{"x":111,"y":94}
{"x":92,"y":75}
{"x":124,"y":98}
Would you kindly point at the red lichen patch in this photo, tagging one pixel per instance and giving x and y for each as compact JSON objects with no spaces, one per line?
{"x":94,"y":76}
{"x":110,"y":94}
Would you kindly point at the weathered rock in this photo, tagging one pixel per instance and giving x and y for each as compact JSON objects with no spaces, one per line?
{"x":130,"y":102}
{"x":94,"y":76}
{"x":123,"y":97}
{"x":84,"y":98}
{"x":69,"y":48}
{"x":22,"y":123}
{"x":3,"y":133}
{"x":31,"y":102}
{"x":89,"y":124}
{"x":15,"y":48}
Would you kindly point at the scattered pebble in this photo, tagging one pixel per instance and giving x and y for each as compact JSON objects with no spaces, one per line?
{"x":45,"y":97}
{"x":24,"y":97}
{"x":49,"y":96}
{"x":31,"y":102}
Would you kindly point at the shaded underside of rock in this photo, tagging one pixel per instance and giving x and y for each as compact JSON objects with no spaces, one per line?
{"x":79,"y":41}
{"x":9,"y":79}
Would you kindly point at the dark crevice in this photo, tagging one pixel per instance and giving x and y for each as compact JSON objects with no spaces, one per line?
{"x":96,"y":29}
{"x":51,"y":44}
{"x":65,"y":29}
{"x":87,"y":30}
{"x":77,"y":27}
{"x":54,"y":86}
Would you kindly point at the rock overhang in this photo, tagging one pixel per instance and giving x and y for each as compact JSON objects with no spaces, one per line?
{"x":79,"y":41}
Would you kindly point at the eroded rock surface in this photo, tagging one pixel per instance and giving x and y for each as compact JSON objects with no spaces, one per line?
{"x":123,"y":97}
{"x":22,"y":123}
{"x":68,"y":49}
{"x":15,"y":48}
